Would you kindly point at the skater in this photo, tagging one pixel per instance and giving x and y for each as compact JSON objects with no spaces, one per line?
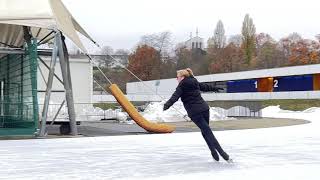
{"x":198,"y":110}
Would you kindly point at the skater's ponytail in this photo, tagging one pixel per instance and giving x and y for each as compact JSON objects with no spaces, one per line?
{"x":185,"y":72}
{"x":189,"y":71}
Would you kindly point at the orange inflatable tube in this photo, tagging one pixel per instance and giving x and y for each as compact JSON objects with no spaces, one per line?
{"x":136,"y":116}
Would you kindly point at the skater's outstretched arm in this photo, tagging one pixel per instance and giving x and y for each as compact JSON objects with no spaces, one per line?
{"x":174,"y":98}
{"x":206,"y":87}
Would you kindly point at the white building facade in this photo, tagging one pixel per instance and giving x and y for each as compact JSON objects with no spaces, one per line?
{"x":195,"y":43}
{"x":82,"y":85}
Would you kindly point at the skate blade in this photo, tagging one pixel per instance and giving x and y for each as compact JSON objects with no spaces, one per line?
{"x":231,"y":161}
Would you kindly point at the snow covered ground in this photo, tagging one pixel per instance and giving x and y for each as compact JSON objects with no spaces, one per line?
{"x":272,"y":153}
{"x":176,"y":113}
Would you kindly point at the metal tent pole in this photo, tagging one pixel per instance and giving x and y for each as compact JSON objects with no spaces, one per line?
{"x":63,"y":55}
{"x":49,"y":86}
{"x":45,"y":65}
{"x":57,"y":113}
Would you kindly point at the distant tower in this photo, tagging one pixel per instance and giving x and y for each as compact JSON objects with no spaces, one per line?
{"x":197,"y":32}
{"x":194,"y":42}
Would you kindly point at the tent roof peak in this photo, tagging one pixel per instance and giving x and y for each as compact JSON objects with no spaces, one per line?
{"x":42,"y":16}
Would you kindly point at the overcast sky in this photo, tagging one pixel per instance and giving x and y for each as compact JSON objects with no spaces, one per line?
{"x":121,"y":23}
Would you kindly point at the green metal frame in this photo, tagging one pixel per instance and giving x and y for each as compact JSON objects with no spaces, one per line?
{"x":19,"y":106}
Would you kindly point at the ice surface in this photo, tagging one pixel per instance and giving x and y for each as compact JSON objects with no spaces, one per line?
{"x":279,"y":153}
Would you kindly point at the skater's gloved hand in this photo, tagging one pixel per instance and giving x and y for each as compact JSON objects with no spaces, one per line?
{"x":165,"y":107}
{"x":218,"y":89}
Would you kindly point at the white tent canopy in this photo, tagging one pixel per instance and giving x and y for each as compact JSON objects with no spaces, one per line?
{"x":42,"y":16}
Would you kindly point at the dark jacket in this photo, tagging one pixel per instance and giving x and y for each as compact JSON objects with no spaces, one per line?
{"x":189,"y":90}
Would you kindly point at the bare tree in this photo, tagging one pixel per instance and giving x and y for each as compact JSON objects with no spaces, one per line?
{"x":269,"y":56}
{"x":122,"y":52}
{"x":285,"y":44}
{"x":263,"y":38}
{"x":219,"y":39}
{"x":106,"y":50}
{"x":235,"y":40}
{"x":294,"y":37}
{"x":162,"y":42}
{"x":122,"y":56}
{"x":106,"y":60}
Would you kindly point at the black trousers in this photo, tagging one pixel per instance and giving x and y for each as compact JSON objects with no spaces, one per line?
{"x":202,"y":121}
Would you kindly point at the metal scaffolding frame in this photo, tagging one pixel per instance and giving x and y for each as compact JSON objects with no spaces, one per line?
{"x":59,"y":50}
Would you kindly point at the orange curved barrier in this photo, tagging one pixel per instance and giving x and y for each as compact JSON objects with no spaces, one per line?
{"x":136,"y":116}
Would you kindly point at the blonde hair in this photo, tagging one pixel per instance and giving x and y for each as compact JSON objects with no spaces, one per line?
{"x":185,"y":72}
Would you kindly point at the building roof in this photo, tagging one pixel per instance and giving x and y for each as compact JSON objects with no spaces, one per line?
{"x":42,"y":16}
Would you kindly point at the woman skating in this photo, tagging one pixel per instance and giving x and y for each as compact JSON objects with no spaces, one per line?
{"x":198,"y":110}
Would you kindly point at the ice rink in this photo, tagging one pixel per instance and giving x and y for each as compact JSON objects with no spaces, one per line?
{"x":272,"y":153}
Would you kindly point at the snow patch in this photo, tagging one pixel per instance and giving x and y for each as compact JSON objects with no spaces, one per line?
{"x":176,"y":113}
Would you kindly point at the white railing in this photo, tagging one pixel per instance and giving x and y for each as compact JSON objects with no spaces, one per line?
{"x":220,"y":96}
